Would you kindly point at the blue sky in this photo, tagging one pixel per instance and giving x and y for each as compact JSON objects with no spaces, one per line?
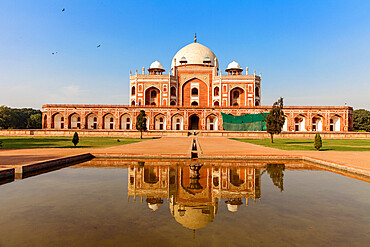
{"x":309,"y":52}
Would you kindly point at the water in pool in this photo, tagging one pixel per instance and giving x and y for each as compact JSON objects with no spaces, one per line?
{"x":172,"y":203}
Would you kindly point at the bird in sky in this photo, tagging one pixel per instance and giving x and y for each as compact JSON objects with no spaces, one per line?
{"x":98,"y":46}
{"x":63,"y":9}
{"x":53,"y":53}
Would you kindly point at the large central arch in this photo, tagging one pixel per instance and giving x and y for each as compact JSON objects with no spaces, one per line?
{"x":195,"y":90}
{"x":194,"y":122}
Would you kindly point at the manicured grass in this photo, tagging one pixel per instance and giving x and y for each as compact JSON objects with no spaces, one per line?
{"x":306,"y":144}
{"x":16,"y":142}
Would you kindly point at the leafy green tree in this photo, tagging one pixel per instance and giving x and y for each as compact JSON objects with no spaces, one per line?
{"x":275,"y":120}
{"x":318,"y":142}
{"x":6,"y":117}
{"x":361,"y":120}
{"x":14,"y":118}
{"x":75,"y":139}
{"x":141,"y":123}
{"x":35,"y":121}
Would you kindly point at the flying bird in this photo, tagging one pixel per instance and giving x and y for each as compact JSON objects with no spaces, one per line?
{"x":98,"y":46}
{"x":53,"y":53}
{"x":63,"y":9}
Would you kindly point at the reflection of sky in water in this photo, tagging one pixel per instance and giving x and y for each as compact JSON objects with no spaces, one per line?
{"x":89,"y":207}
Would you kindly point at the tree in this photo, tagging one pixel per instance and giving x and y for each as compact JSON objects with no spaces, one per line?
{"x":6,"y":117}
{"x":75,"y":139}
{"x":35,"y":121}
{"x":141,"y":123}
{"x":361,"y":120}
{"x":318,"y":142}
{"x":275,"y":120}
{"x":14,"y":118}
{"x":276,"y":172}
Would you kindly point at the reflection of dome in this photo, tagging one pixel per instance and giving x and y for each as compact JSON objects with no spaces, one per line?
{"x":195,"y":217}
{"x":156,"y":65}
{"x":154,"y":207}
{"x":194,"y":53}
{"x":233,"y":204}
{"x":232,"y":208}
{"x":233,"y":66}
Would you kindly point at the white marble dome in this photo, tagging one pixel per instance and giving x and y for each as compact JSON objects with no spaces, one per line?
{"x":156,"y":65}
{"x":194,"y":53}
{"x":233,"y":65}
{"x":232,"y":208}
{"x":154,"y":207}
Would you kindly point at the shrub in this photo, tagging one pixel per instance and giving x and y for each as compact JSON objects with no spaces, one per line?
{"x":75,"y":139}
{"x":318,"y":142}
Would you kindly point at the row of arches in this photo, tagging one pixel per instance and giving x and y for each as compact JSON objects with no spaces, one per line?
{"x":91,"y":121}
{"x":300,"y":122}
{"x":108,"y":122}
{"x":318,"y":123}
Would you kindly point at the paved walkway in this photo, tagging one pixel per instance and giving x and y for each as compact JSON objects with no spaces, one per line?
{"x":160,"y":148}
{"x":164,"y":147}
{"x":211,"y":147}
{"x":223,"y":147}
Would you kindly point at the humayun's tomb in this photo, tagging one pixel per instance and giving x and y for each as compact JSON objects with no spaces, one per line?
{"x":193,"y":95}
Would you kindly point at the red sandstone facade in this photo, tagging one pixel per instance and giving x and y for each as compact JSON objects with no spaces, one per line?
{"x":192,"y":97}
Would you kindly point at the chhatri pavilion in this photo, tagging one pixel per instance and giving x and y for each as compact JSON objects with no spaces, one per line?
{"x":193,"y":95}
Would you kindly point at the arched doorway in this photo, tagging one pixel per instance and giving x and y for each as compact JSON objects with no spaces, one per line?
{"x":126,"y":122}
{"x":194,"y":122}
{"x":300,"y":123}
{"x":160,"y":122}
{"x":57,"y":121}
{"x":91,"y":121}
{"x":177,"y":122}
{"x":45,"y":122}
{"x":211,"y":122}
{"x":317,"y":123}
{"x":335,"y":123}
{"x":237,"y":97}
{"x":152,"y":96}
{"x":74,"y":121}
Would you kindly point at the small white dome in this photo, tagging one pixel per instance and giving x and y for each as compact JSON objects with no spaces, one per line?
{"x":153,"y":207}
{"x":156,"y":65}
{"x":233,"y":65}
{"x":232,"y":208}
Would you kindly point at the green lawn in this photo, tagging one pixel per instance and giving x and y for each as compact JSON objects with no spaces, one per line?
{"x":305,"y":144}
{"x":17,"y":142}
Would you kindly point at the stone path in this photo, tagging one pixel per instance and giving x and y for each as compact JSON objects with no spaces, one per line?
{"x":180,"y":147}
{"x":219,"y":146}
{"x":166,"y":147}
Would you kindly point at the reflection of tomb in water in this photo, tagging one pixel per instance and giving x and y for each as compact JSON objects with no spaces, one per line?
{"x":194,"y":194}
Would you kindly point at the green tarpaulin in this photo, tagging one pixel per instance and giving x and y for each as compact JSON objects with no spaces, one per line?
{"x":247,"y":122}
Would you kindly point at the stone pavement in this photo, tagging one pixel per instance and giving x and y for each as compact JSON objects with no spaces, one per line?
{"x":223,"y":147}
{"x":158,"y":148}
{"x":180,"y":147}
{"x":166,"y":147}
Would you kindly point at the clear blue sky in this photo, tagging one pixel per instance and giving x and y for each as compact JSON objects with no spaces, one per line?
{"x":309,"y":52}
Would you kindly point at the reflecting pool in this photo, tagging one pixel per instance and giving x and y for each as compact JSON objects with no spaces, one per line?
{"x":177,"y":203}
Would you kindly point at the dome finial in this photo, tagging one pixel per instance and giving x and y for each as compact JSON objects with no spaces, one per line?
{"x":195,"y":38}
